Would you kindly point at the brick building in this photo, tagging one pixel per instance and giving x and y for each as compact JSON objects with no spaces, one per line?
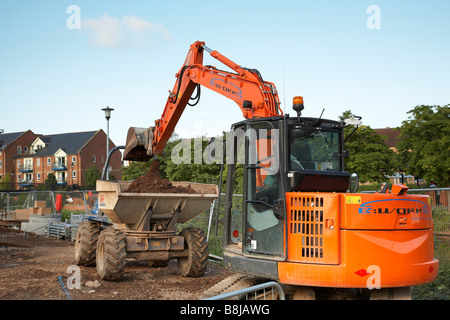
{"x":392,"y":136}
{"x":12,"y":144}
{"x":30,"y":157}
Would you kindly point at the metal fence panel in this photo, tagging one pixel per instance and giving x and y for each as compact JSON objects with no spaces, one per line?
{"x":265,"y":291}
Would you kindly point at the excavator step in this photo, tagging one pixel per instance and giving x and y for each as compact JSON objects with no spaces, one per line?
{"x":232,"y":283}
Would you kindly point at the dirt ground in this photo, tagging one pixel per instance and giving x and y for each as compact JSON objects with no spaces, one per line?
{"x":35,"y":272}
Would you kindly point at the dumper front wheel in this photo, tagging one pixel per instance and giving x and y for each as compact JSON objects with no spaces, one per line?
{"x":194,"y":265}
{"x":111,"y":254}
{"x":86,"y":243}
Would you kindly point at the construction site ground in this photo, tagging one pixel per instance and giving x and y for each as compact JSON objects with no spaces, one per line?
{"x":39,"y":270}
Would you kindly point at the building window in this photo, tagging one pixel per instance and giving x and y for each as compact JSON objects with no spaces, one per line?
{"x":49,"y":162}
{"x":18,"y":178}
{"x":38,"y":177}
{"x":74,"y":174}
{"x":0,"y":163}
{"x":19,"y":150}
{"x":38,"y":162}
{"x":74,"y":159}
{"x":93,"y":159}
{"x":18,"y":163}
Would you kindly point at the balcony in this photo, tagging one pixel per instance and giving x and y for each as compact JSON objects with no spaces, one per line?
{"x":26,"y":183}
{"x":61,"y":181}
{"x":26,"y":168}
{"x":59,"y":166}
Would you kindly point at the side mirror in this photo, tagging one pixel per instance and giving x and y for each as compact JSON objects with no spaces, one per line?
{"x":354,"y":183}
{"x":353,"y":121}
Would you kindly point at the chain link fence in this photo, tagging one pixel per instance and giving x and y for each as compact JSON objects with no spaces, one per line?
{"x":51,"y":213}
{"x":73,"y":201}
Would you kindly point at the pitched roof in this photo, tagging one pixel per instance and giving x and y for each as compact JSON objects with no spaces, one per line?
{"x":392,"y":135}
{"x":7,"y":138}
{"x":71,"y":143}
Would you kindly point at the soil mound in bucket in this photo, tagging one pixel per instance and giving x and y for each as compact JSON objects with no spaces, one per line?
{"x":151,"y":182}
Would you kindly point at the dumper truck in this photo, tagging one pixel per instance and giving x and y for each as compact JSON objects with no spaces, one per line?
{"x":143,"y":227}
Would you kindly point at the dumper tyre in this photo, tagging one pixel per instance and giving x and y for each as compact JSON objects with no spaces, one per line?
{"x":111,"y":254}
{"x":195,"y":264}
{"x":86,"y":243}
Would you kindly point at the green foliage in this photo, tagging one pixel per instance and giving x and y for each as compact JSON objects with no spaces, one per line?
{"x":439,"y":289}
{"x":5,"y":183}
{"x":195,"y":169}
{"x":441,"y":220}
{"x":50,"y":182}
{"x":66,"y":214}
{"x":425,"y":145}
{"x":134,"y":170}
{"x":238,"y":187}
{"x":91,"y":176}
{"x":139,"y":168}
{"x":173,"y":171}
{"x":370,"y":157}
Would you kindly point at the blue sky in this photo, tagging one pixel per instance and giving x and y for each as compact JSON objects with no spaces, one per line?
{"x":125,"y":55}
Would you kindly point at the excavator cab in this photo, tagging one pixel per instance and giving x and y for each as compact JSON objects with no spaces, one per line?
{"x":293,"y":219}
{"x":255,"y":223}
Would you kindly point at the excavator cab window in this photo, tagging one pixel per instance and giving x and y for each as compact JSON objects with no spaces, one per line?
{"x":263,"y":230}
{"x":315,"y":159}
{"x":235,"y":186}
{"x":314,"y":149}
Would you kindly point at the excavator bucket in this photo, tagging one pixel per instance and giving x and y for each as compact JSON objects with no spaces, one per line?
{"x":139,"y":144}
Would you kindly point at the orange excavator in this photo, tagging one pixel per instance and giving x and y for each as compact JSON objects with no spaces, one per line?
{"x":298,"y":222}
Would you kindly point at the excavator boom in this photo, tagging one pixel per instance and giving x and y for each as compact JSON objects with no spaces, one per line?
{"x":255,"y":97}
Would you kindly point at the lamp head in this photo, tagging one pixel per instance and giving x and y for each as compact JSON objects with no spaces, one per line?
{"x":107,"y":112}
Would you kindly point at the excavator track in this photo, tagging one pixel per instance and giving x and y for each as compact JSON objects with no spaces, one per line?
{"x":232,"y":283}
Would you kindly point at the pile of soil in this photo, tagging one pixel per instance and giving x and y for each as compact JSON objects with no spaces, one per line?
{"x":151,"y":182}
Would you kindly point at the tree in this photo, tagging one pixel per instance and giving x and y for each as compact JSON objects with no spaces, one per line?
{"x":91,"y":176}
{"x":424,"y":147}
{"x":50,"y":182}
{"x":174,"y":171}
{"x":191,"y":171}
{"x":135,"y":169}
{"x":139,"y":168}
{"x":6,"y":182}
{"x":370,"y":157}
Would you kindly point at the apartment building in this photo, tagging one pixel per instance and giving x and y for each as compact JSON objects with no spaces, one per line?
{"x":68,"y":156}
{"x":12,"y":144}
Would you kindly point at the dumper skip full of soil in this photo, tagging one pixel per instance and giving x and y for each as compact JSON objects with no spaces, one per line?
{"x":151,"y":182}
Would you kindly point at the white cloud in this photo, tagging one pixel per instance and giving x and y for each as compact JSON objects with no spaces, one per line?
{"x":128,"y":31}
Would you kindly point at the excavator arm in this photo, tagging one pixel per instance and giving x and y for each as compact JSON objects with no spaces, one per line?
{"x":255,"y":97}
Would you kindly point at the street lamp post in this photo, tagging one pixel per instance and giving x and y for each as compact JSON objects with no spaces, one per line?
{"x":107,"y":116}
